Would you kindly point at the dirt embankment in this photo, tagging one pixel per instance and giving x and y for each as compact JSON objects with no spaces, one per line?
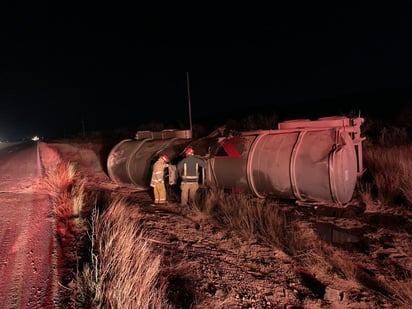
{"x":210,"y":265}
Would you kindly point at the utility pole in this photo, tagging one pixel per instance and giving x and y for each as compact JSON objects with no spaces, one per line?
{"x":189,"y":103}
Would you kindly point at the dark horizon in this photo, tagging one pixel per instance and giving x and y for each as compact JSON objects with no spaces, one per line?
{"x":65,"y":69}
{"x":386,"y":105}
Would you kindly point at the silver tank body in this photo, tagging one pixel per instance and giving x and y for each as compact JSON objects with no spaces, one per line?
{"x":130,"y":161}
{"x":307,"y":160}
{"x":304,"y":160}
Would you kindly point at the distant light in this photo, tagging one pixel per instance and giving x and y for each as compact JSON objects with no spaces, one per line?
{"x":35,"y":138}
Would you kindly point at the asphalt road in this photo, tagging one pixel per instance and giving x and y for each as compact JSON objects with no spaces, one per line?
{"x":27,"y":246}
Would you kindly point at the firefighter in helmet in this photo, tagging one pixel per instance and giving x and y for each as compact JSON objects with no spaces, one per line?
{"x":188,"y":169}
{"x":158,"y":179}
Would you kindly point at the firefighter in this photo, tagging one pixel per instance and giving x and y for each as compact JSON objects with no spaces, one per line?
{"x":188,"y":169}
{"x":158,"y":179}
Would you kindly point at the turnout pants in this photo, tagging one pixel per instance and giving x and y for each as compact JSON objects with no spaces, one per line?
{"x":159,"y":191}
{"x":189,"y":190}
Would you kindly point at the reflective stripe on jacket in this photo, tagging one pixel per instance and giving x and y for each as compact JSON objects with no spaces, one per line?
{"x":158,"y":172}
{"x":187,"y":177}
{"x":188,"y":168}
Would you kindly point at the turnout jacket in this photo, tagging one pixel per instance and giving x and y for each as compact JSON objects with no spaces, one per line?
{"x":158,"y":172}
{"x":188,"y":168}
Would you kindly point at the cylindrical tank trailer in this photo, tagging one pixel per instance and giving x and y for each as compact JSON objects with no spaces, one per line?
{"x":130,"y":161}
{"x":306,"y":160}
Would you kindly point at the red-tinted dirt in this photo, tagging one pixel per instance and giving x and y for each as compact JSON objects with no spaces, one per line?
{"x":211,"y":266}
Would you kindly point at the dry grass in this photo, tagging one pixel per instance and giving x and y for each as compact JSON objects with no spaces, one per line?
{"x":124,"y":270}
{"x":253,"y":219}
{"x":66,"y":189}
{"x":390,"y":171}
{"x":402,"y":290}
{"x":390,"y":185}
{"x":63,"y":183}
{"x":257,"y":220}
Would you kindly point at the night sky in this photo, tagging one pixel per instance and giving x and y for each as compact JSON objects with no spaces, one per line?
{"x":71,"y":67}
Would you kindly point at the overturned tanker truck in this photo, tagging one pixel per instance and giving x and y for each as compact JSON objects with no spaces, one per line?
{"x":304,"y":160}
